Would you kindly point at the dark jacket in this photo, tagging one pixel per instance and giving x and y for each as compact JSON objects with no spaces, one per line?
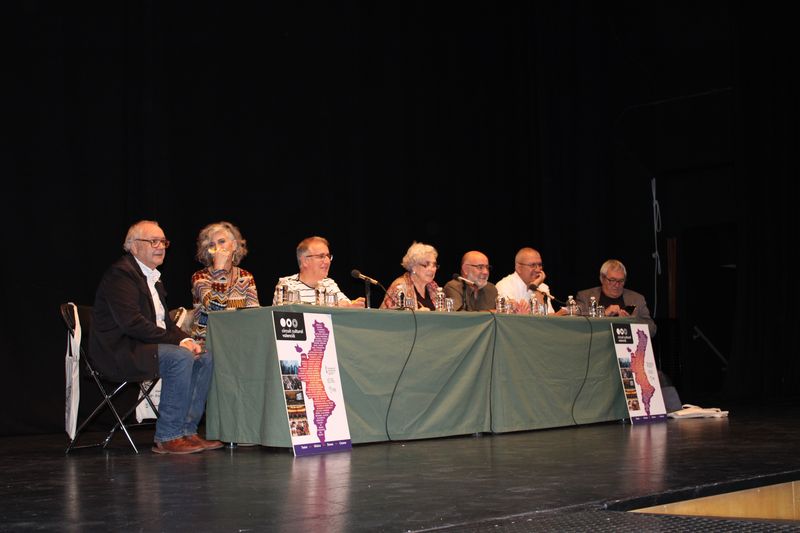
{"x":124,"y":336}
{"x":628,"y":296}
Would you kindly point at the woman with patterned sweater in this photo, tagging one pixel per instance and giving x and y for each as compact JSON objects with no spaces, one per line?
{"x":222,"y":284}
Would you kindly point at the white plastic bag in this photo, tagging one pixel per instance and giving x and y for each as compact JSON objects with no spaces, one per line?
{"x":693,"y":411}
{"x":143,"y":410}
{"x":72,"y":367}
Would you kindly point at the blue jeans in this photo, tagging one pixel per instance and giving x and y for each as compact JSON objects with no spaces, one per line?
{"x":184,"y":388}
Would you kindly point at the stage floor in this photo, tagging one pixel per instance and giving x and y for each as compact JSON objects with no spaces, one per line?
{"x":569,"y":479}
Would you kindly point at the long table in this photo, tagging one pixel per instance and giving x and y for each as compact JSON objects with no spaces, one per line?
{"x":422,"y":375}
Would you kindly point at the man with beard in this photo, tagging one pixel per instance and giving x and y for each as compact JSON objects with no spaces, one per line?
{"x":478,"y":295}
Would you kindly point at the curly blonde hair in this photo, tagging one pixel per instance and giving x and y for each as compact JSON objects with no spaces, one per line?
{"x":204,"y":241}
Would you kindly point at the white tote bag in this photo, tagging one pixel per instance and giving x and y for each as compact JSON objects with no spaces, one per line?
{"x":72,"y":363}
{"x":143,"y":410}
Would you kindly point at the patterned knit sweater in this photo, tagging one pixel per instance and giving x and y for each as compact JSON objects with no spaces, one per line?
{"x":217,"y":290}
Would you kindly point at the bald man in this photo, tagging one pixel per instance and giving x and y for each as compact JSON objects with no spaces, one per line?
{"x":481,"y":294}
{"x":526,"y":281}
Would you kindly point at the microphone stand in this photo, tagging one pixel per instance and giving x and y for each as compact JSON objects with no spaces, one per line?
{"x":367,"y":288}
{"x":464,"y":296}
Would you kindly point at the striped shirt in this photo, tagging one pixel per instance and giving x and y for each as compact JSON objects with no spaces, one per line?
{"x":308,"y":294}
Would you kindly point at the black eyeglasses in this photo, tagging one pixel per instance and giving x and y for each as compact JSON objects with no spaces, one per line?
{"x":155,"y":242}
{"x":479,"y":267}
{"x":614,"y":281}
{"x":531,"y":265}
{"x":321,"y":256}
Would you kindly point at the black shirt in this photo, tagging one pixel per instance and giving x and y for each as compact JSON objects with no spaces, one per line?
{"x":424,"y":301}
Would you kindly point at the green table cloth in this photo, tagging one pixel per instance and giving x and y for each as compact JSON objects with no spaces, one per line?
{"x":423,"y":375}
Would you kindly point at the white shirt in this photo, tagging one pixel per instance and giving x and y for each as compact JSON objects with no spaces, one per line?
{"x":153,"y":275}
{"x":512,"y":286}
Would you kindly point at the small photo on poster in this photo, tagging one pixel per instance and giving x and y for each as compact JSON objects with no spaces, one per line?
{"x":291,"y":382}
{"x":298,"y":425}
{"x":289,"y":366}
{"x":294,"y":398}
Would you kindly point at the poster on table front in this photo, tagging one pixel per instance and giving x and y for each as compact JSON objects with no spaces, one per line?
{"x":315,"y":411}
{"x":638,"y":372}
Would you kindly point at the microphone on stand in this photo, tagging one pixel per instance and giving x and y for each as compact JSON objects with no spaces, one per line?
{"x":358,"y":275}
{"x":367,"y":282}
{"x":534,"y":287}
{"x":464,"y":280}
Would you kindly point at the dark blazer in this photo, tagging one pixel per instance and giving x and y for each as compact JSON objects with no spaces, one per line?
{"x":628,"y":296}
{"x":124,"y":336}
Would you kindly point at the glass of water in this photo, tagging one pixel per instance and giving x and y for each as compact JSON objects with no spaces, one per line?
{"x":293,"y":297}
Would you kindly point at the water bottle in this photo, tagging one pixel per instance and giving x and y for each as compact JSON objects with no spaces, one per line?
{"x":501,"y":304}
{"x":593,"y":307}
{"x":280,"y":297}
{"x":320,"y":295}
{"x":572,"y":306}
{"x":540,"y":306}
{"x":439,"y":302}
{"x":282,"y":294}
{"x":400,"y":296}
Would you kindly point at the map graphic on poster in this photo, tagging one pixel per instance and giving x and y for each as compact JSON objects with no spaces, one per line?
{"x":311,"y":383}
{"x":638,"y":372}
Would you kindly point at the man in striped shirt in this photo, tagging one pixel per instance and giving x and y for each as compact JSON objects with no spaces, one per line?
{"x":314,"y":259}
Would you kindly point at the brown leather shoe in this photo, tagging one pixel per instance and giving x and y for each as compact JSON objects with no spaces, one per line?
{"x":181,"y":445}
{"x":206,"y":444}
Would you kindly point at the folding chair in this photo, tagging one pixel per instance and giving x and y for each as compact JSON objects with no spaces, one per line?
{"x":109,"y":389}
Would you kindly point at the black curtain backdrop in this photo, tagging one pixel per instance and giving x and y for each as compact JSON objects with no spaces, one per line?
{"x":482,"y":126}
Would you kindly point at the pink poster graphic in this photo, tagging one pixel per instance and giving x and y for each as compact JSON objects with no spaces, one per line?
{"x":638,"y":372}
{"x":315,"y":408}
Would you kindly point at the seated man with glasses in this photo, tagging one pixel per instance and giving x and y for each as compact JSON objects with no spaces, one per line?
{"x":526,"y":282}
{"x":314,"y":259}
{"x":480,"y":294}
{"x":133,"y":338}
{"x":614,"y":297}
